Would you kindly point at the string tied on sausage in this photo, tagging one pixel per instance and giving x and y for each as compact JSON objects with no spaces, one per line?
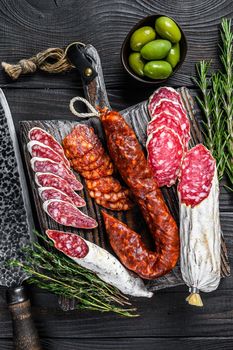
{"x":51,"y":60}
{"x":94,"y":112}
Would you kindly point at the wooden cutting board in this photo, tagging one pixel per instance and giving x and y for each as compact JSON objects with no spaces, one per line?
{"x":136,"y":116}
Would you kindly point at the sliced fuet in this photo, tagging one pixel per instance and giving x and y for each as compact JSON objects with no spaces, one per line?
{"x":67,"y":214}
{"x":51,"y":180}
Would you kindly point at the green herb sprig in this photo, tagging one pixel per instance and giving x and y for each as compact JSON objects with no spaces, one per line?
{"x":227,"y":85}
{"x":51,"y":270}
{"x":216,"y":102}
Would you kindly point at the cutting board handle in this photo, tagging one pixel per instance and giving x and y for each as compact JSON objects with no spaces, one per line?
{"x":93,"y":86}
{"x":24,"y":332}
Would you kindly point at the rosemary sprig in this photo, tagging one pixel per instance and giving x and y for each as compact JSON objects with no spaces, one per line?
{"x":56,"y":273}
{"x":205,"y":102}
{"x":227,"y":79}
{"x":216,"y":103}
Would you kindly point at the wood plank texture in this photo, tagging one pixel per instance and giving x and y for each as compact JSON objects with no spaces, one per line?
{"x":132,"y":343}
{"x":29,"y":26}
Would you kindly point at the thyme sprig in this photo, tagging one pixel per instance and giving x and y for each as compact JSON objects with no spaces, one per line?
{"x":51,"y":270}
{"x":216,"y":102}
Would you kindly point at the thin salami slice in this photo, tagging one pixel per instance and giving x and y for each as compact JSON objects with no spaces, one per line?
{"x":45,"y":165}
{"x":105,"y":185}
{"x":165,"y":153}
{"x":51,"y":180}
{"x":175,"y":109}
{"x":68,"y":243}
{"x":47,"y":193}
{"x":164,"y":92}
{"x":38,"y":149}
{"x":80,"y":141}
{"x":67,"y":214}
{"x":196,"y":176}
{"x":38,"y":134}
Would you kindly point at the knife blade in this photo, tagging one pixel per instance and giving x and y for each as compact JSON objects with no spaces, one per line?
{"x":16,"y":231}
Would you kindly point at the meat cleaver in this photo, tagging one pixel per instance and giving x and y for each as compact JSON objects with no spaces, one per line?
{"x":16,"y":231}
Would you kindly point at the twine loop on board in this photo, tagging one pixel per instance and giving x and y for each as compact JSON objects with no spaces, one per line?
{"x":94,"y":112}
{"x":52,"y":60}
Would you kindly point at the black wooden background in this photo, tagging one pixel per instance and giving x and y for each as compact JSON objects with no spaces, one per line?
{"x":28,"y":26}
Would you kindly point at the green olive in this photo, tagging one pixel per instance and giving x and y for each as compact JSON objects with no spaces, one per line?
{"x":136,"y":63}
{"x":156,"y":49}
{"x":167,"y":29}
{"x":157,"y":69}
{"x":173,"y":56}
{"x":141,"y":36}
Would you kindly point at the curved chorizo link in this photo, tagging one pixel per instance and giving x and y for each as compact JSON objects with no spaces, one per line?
{"x":131,"y":163}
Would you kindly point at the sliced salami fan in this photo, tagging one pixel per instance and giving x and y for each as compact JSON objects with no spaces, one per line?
{"x":47,"y":193}
{"x":167,"y":93}
{"x":51,"y":180}
{"x":38,"y":149}
{"x":171,"y":122}
{"x":80,"y":141}
{"x":165,"y":153}
{"x":38,"y":134}
{"x":46,"y":165}
{"x":175,"y":109}
{"x":67,"y":214}
{"x":196,"y":176}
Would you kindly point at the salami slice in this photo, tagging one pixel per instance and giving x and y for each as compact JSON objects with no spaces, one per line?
{"x":38,"y":149}
{"x":80,"y":141}
{"x":51,"y":180}
{"x":47,"y":193}
{"x":38,"y":134}
{"x":165,"y":153}
{"x":175,"y":109}
{"x":67,"y":214}
{"x":196,"y":175}
{"x":45,"y":165}
{"x":167,"y":93}
{"x":69,"y":243}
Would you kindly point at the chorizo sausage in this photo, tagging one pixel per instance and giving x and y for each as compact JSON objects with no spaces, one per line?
{"x":128,"y":155}
{"x":89,"y":158}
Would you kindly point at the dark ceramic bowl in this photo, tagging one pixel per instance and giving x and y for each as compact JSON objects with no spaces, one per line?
{"x":126,"y":50}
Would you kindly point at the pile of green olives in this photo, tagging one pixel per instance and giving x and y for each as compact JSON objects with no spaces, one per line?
{"x":155,"y":51}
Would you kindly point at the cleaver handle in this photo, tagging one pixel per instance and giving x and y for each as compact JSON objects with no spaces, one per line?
{"x":24,"y":332}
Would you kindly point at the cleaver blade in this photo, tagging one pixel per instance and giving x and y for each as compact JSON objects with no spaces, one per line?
{"x":16,"y":231}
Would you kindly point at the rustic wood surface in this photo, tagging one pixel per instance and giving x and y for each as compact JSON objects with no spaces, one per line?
{"x":28,"y":26}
